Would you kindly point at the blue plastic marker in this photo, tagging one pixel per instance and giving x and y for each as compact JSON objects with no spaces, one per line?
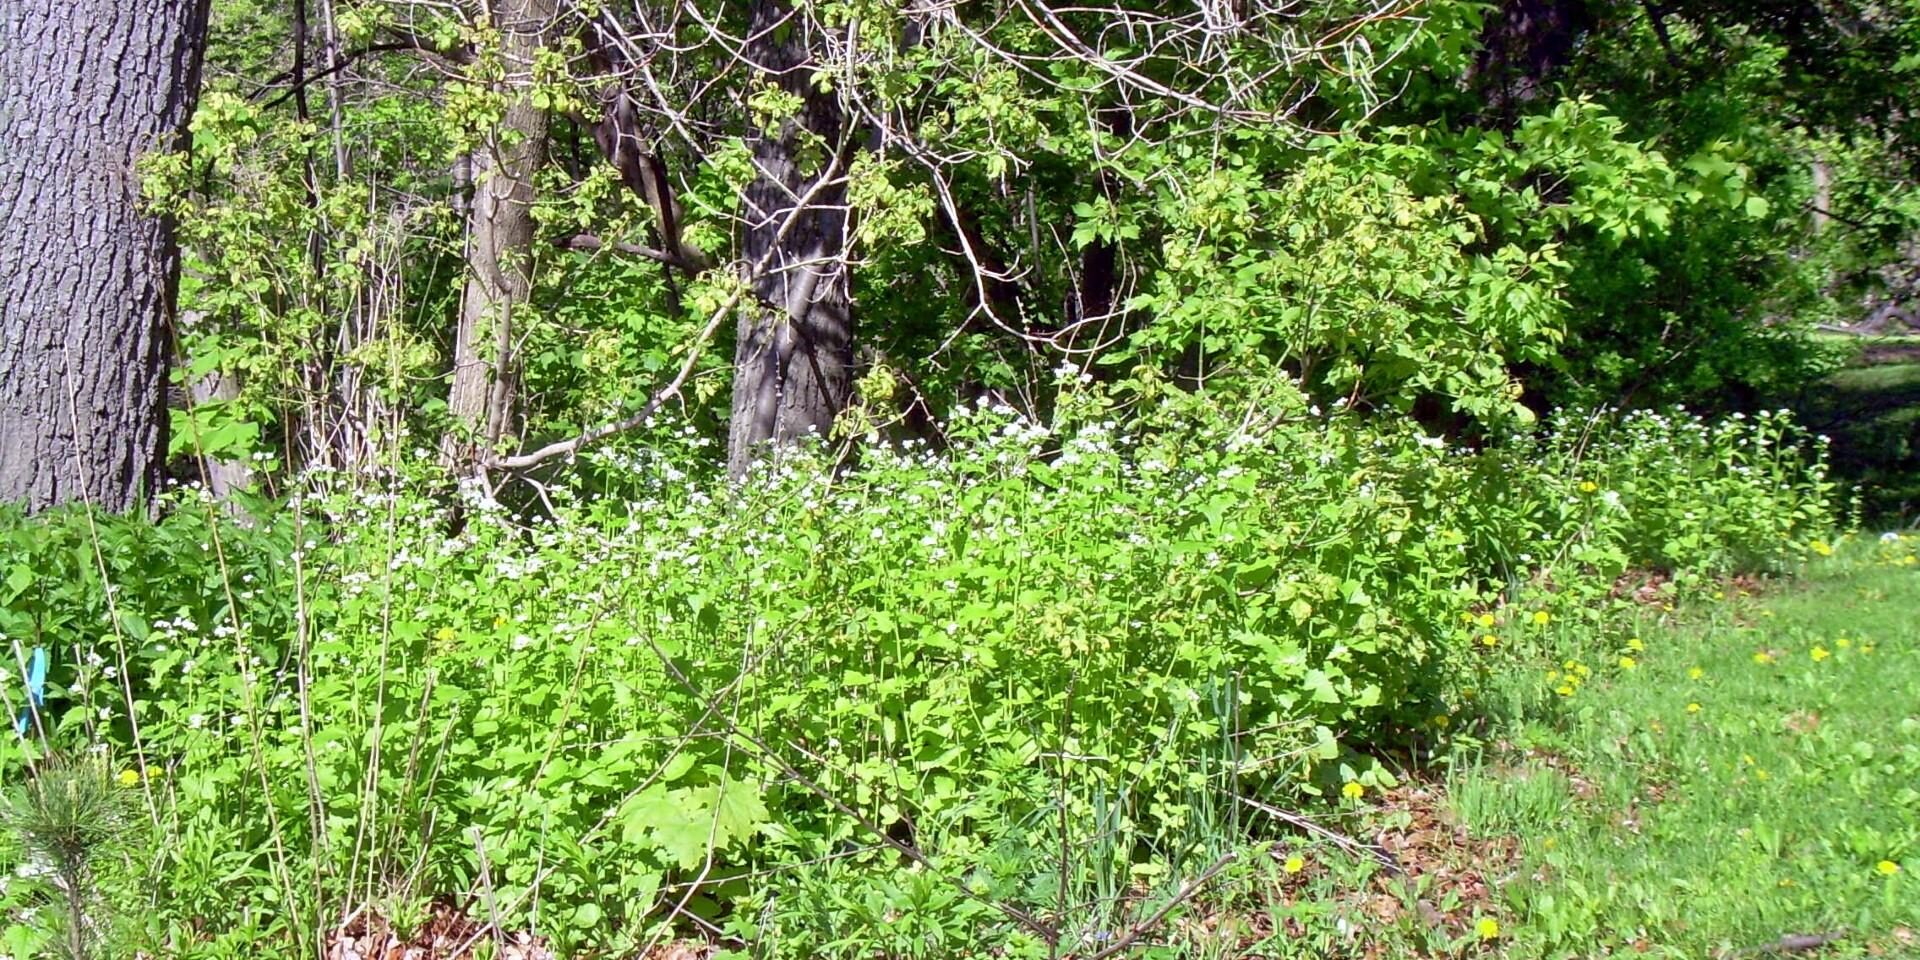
{"x":36,"y":689}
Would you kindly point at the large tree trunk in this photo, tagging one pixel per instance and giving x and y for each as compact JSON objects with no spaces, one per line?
{"x":499,"y":244}
{"x":793,"y":365}
{"x":87,"y":277}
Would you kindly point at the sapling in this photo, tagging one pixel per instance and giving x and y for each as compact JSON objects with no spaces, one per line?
{"x":70,"y":819}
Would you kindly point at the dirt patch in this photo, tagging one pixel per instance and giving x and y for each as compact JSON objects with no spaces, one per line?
{"x":1648,"y":588}
{"x":447,"y":934}
{"x":1434,"y":846}
{"x":1435,"y":875}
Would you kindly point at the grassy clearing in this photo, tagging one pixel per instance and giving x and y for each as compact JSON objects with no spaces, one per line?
{"x":1738,"y":778}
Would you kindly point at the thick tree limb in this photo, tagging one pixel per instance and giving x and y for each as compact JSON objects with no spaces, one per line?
{"x":588,"y":243}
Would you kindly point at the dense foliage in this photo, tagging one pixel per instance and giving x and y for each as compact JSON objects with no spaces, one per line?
{"x":1087,"y":632}
{"x":1523,"y":206}
{"x":885,"y":478}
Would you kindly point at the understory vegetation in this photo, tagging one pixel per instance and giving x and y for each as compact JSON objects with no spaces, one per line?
{"x":1057,"y":674}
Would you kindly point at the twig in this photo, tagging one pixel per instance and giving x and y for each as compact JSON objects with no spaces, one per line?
{"x":1153,"y":919}
{"x":1797,"y":943}
{"x":486,"y":885}
{"x":1341,"y":840}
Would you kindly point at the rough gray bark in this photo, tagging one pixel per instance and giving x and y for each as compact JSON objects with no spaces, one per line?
{"x":499,"y":244}
{"x":87,"y":276}
{"x":793,"y":364}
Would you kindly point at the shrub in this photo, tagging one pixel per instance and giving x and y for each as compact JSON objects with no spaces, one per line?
{"x":1091,"y":637}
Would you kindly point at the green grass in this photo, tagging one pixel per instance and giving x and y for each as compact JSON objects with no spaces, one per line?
{"x":1751,"y":776}
{"x":1902,"y":379}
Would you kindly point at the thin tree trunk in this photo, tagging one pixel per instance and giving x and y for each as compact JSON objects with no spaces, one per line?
{"x":793,"y":363}
{"x":87,"y":277}
{"x":499,"y":245}
{"x":223,"y":478}
{"x":1822,"y":195}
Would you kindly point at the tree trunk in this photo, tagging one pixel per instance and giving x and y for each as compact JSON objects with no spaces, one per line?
{"x":223,"y":478}
{"x":87,"y":277}
{"x":793,"y":365}
{"x":1822,"y":195}
{"x":499,"y":245}
{"x":1522,"y":45}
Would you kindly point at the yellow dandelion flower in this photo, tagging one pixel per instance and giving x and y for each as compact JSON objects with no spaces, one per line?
{"x":1541,"y":618}
{"x":444,"y":634}
{"x":1294,"y":864}
{"x":1763,"y":658}
{"x":1761,"y":775}
{"x":1820,"y":547}
{"x":1866,"y":648}
{"x":1719,"y":594}
{"x":1819,"y":653}
{"x":1487,"y":928}
{"x":1887,"y":868}
{"x":1466,"y":616}
{"x":1565,"y":690}
{"x":1747,"y":758}
{"x":150,"y":772}
{"x":1628,"y":663}
{"x":129,"y":777}
{"x":1635,"y":645}
{"x":1842,"y":642}
{"x":1353,"y":790}
{"x":1549,"y":843}
{"x":1588,"y":486}
{"x":1489,"y":641}
{"x":1693,"y":708}
{"x":1695,"y":673}
{"x":1485,"y":620}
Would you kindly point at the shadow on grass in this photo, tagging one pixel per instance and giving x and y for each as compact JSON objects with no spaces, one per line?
{"x":1871,"y":409}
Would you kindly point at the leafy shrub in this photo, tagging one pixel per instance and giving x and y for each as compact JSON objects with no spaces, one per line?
{"x":1091,"y":636}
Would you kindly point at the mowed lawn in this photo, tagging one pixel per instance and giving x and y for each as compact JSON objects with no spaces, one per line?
{"x":1742,"y":783}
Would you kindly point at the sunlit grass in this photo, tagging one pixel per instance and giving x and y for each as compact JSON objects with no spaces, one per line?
{"x":1754,"y":775}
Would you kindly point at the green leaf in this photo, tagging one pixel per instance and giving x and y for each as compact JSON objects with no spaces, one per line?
{"x":18,"y":580}
{"x":1320,"y":685}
